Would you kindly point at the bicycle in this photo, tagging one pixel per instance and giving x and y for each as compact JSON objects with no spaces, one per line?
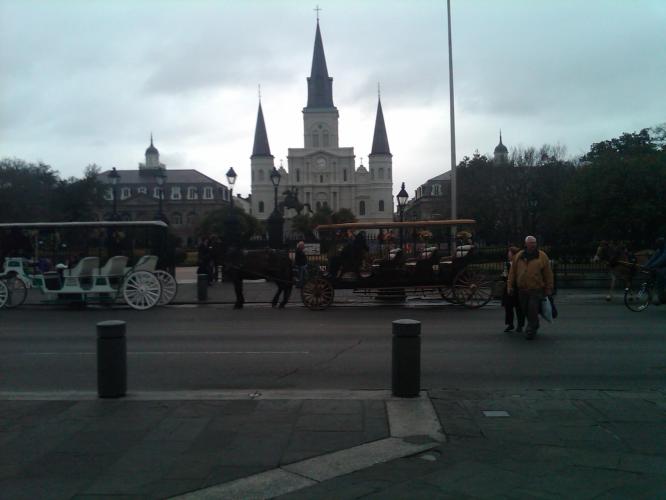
{"x":637,"y":297}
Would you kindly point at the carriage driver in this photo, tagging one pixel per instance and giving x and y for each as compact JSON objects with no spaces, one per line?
{"x":531,"y":274}
{"x":658,"y":263}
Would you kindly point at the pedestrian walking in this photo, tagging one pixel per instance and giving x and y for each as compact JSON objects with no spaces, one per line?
{"x":510,"y":300}
{"x":532,"y":276}
{"x":301,"y":262}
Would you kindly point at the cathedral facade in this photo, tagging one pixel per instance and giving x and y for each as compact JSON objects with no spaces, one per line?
{"x":323,"y":172}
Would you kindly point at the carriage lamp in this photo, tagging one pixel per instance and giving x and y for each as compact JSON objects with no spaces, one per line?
{"x":115,"y":178}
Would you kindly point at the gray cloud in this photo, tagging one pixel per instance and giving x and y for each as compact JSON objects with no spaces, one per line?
{"x":88,"y":81}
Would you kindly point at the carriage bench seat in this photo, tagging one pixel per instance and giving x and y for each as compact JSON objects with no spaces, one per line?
{"x":81,"y":275}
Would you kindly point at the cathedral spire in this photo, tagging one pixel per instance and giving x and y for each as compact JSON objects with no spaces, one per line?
{"x":261,"y":147}
{"x":320,"y":85}
{"x":380,"y":144}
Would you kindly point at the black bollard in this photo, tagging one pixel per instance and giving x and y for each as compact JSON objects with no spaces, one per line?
{"x":202,"y":287}
{"x":111,"y":359}
{"x":406,"y":379}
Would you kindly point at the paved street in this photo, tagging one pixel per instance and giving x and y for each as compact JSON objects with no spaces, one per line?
{"x":591,"y":345}
{"x":262,"y":403}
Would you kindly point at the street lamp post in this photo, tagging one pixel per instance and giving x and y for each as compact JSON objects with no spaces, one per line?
{"x":231,"y":179}
{"x":231,"y":222}
{"x":275,"y":219}
{"x":160,"y":178}
{"x":402,"y":198}
{"x":115,"y":178}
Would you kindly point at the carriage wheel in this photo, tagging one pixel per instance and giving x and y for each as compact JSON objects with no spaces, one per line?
{"x":4,"y":294}
{"x":141,"y":290}
{"x":637,"y":298}
{"x":472,"y":288}
{"x":169,"y":287}
{"x":448,"y":293}
{"x":317,"y":294}
{"x":17,"y":291}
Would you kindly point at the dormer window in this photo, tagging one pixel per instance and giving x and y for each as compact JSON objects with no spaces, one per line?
{"x":156,"y":192}
{"x":142,"y":190}
{"x":192,"y":193}
{"x":175,"y":193}
{"x":208,"y":193}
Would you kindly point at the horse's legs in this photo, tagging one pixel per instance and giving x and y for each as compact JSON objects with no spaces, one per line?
{"x":612,"y":285}
{"x":287,"y":293}
{"x":276,"y":297}
{"x":238,"y":288}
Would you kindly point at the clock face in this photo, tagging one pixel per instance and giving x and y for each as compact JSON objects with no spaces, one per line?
{"x":321,"y":163}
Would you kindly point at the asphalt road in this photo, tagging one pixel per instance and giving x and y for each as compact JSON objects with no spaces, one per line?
{"x":591,"y":345}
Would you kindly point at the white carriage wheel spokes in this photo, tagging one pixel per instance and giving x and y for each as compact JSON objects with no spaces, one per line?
{"x":142,"y":290}
{"x":17,"y":291}
{"x":169,"y":287}
{"x":637,"y":300}
{"x":4,"y":294}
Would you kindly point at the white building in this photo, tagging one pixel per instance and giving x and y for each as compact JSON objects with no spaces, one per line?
{"x":323,"y":172}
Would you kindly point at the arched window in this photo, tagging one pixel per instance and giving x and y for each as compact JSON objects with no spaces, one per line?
{"x":381,"y":205}
{"x":298,"y":175}
{"x":321,"y":179}
{"x":361,"y":208}
{"x":318,"y":205}
{"x":177,"y":218}
{"x":381,"y":173}
{"x":325,"y":138}
{"x":315,"y":139}
{"x":261,"y":207}
{"x":190,"y":217}
{"x":344,"y":174}
{"x":261,"y":175}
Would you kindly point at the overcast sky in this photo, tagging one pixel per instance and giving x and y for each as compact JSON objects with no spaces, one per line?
{"x":87,"y":81}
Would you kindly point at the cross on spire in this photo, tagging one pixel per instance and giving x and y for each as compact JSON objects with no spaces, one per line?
{"x":317,"y":9}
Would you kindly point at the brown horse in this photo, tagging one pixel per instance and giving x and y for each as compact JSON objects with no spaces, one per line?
{"x":620,"y":262}
{"x":272,"y":265}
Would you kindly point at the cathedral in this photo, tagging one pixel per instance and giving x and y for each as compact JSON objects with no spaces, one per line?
{"x":322,"y":172}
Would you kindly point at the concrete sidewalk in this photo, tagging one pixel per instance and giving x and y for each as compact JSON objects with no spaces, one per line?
{"x":509,"y":444}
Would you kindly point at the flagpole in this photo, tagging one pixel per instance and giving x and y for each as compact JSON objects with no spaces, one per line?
{"x":454,"y":190}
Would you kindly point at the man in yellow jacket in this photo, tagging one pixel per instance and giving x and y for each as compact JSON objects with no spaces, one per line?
{"x":531,"y":274}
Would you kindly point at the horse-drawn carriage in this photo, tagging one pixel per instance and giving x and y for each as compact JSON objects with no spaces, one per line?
{"x":388,"y":270}
{"x":140,"y":286}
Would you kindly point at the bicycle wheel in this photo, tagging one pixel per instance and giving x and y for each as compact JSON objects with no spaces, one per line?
{"x":17,"y":291}
{"x":637,"y":299}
